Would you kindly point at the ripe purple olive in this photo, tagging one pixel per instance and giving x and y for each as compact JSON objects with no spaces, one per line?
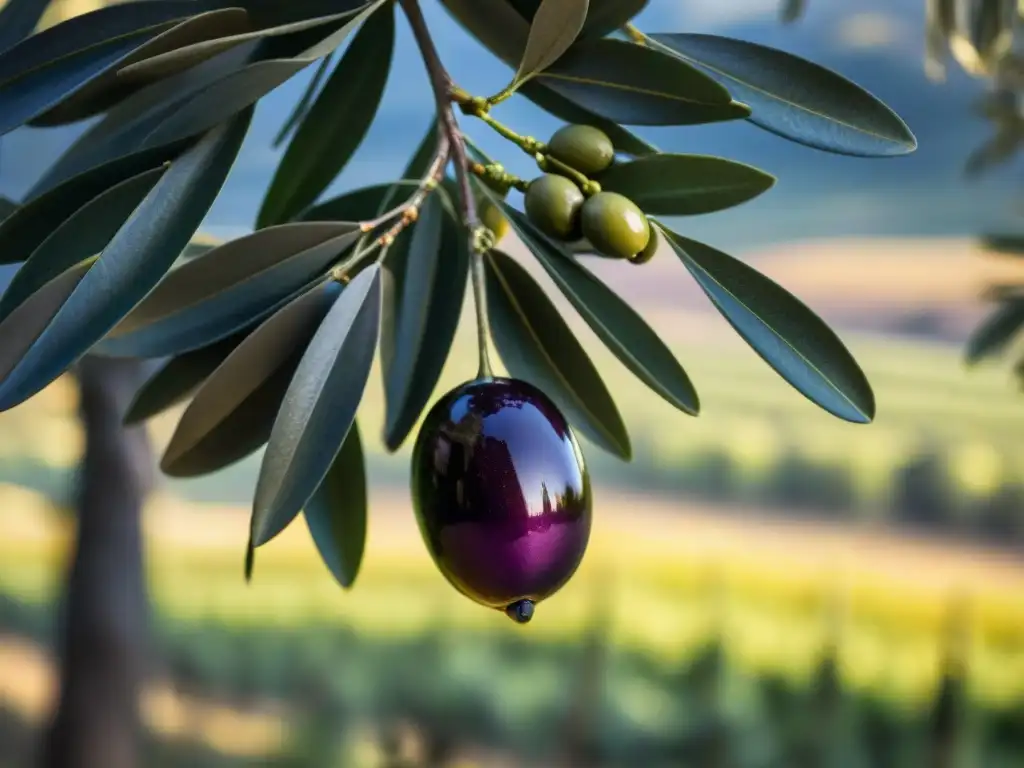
{"x":502,"y":494}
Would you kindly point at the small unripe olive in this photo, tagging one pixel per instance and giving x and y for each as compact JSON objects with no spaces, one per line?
{"x":647,"y":253}
{"x":583,"y":147}
{"x":553,"y":204}
{"x":615,"y":226}
{"x":492,"y":218}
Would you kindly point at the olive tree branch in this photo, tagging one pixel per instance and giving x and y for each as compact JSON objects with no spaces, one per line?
{"x":445,"y":93}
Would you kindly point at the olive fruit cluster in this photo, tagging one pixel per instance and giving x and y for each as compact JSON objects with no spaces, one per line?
{"x":560,"y":208}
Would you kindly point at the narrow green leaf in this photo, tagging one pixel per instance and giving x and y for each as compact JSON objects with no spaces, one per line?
{"x":537,"y":346}
{"x":301,"y":109}
{"x":995,"y":334}
{"x":120,"y":132}
{"x":504,"y":32}
{"x":257,"y":372}
{"x":87,"y":30}
{"x":20,"y":329}
{"x":622,"y":330}
{"x":179,"y":58}
{"x":7,"y":207}
{"x":242,"y":88}
{"x":604,"y":16}
{"x":320,"y":407}
{"x":336,"y":513}
{"x":31,"y":95}
{"x":235,"y":262}
{"x":27,"y":228}
{"x":85,"y":233}
{"x":637,"y":85}
{"x":796,"y":99}
{"x":319,"y":151}
{"x":685,"y":185}
{"x":133,"y":263}
{"x":178,"y":379}
{"x":433,"y":290}
{"x":234,"y":295}
{"x":19,"y":19}
{"x":781,"y":329}
{"x":555,"y":27}
{"x":1004,"y":245}
{"x":110,"y":86}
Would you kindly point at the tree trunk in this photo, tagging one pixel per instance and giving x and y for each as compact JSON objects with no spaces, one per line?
{"x":103,"y":640}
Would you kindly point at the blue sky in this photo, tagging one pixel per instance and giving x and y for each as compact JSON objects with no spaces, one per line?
{"x":879,"y":45}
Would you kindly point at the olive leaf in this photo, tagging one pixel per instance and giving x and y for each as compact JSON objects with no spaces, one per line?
{"x":635,"y":85}
{"x":83,"y":234}
{"x":26,"y":323}
{"x":319,"y":408}
{"x":537,"y":346}
{"x":1004,"y":245}
{"x":133,"y":263}
{"x":120,"y":132}
{"x":336,"y":513}
{"x":178,"y":378}
{"x":301,"y":108}
{"x":781,"y":329}
{"x":233,"y":411}
{"x":179,"y":58}
{"x":110,"y":85}
{"x":504,"y":32}
{"x":360,"y":204}
{"x":32,"y":94}
{"x":212,"y":296}
{"x":619,"y":327}
{"x":425,"y":317}
{"x":84,"y":31}
{"x":318,"y":152}
{"x":241,"y":88}
{"x":685,"y":185}
{"x":27,"y":228}
{"x":7,"y":207}
{"x":795,"y":98}
{"x":996,"y":333}
{"x":18,"y":20}
{"x":603,"y":17}
{"x":554,"y":27}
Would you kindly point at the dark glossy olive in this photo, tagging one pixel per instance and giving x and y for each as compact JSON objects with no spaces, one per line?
{"x":553,"y":204}
{"x":614,"y":225}
{"x":501,"y":493}
{"x":583,"y":147}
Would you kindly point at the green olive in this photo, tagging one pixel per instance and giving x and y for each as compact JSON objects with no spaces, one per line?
{"x":553,"y":204}
{"x":615,"y":226}
{"x":492,"y":218}
{"x":647,"y":253}
{"x":583,"y":147}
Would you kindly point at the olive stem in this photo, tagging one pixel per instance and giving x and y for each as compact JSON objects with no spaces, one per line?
{"x":445,"y":92}
{"x":634,"y":34}
{"x":528,"y":144}
{"x":547,"y":163}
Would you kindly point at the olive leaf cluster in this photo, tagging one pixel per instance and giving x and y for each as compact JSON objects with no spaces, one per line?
{"x":270,"y":337}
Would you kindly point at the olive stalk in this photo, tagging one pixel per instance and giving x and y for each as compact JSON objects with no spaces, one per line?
{"x":634,"y":34}
{"x":444,"y":93}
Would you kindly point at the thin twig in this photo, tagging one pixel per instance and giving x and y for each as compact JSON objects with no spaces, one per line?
{"x":444,"y":93}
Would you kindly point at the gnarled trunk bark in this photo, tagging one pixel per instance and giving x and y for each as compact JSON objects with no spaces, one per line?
{"x":104,"y":629}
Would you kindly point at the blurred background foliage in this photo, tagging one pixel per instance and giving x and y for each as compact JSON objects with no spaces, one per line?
{"x":767,"y":587}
